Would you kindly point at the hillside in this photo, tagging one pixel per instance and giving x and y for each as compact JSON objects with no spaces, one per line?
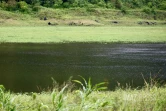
{"x":82,"y":16}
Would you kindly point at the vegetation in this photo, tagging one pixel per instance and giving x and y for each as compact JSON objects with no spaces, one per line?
{"x":78,"y":12}
{"x":141,"y":15}
{"x":26,"y":5}
{"x":82,"y":34}
{"x":150,"y":97}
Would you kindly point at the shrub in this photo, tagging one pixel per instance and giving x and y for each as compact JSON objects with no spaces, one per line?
{"x":162,"y":6}
{"x":147,"y":10}
{"x":11,"y":5}
{"x":66,"y":5}
{"x":73,"y":3}
{"x":136,"y":3}
{"x":118,"y":4}
{"x":3,"y":5}
{"x":90,"y":6}
{"x":124,"y":10}
{"x":153,"y":11}
{"x":101,"y":4}
{"x":82,"y":3}
{"x":57,"y":3}
{"x":109,"y":5}
{"x":22,"y":6}
{"x":150,"y":4}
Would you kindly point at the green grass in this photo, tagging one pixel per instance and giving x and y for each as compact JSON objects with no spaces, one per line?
{"x":151,"y":98}
{"x":53,"y":34}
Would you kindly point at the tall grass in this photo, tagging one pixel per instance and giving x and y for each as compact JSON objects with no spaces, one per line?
{"x":88,"y":98}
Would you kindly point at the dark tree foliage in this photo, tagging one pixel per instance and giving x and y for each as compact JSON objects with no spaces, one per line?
{"x":117,"y":4}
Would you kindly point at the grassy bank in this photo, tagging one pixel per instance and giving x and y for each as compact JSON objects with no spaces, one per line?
{"x":149,"y":98}
{"x":82,"y":25}
{"x":87,"y":16}
{"x":53,"y":34}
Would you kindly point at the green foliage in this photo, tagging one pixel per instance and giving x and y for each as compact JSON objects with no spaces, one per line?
{"x":49,"y":3}
{"x":147,"y":10}
{"x":118,"y":4}
{"x":34,"y":95}
{"x":57,"y":3}
{"x":11,"y":5}
{"x":101,"y":4}
{"x":151,"y":97}
{"x":43,"y":107}
{"x":162,"y":6}
{"x":88,"y":88}
{"x":124,"y":10}
{"x":66,"y":5}
{"x":109,"y":5}
{"x":73,"y":3}
{"x":3,"y":5}
{"x":35,"y":2}
{"x":58,"y":99}
{"x":136,"y":3}
{"x":22,"y":6}
{"x":5,"y":100}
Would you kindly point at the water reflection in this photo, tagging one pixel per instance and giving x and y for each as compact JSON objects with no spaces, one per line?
{"x":23,"y":67}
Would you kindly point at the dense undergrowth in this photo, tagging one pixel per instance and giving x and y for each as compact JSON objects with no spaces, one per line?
{"x":88,"y":98}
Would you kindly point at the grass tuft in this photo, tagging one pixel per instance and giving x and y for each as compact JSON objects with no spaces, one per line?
{"x":89,"y":98}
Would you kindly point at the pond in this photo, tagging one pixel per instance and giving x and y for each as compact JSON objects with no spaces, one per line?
{"x":29,"y":67}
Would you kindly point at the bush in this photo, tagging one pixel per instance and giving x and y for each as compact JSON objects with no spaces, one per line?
{"x":150,"y":4}
{"x":109,"y":5}
{"x":22,"y":6}
{"x":57,"y":3}
{"x":147,"y":10}
{"x":162,"y":6}
{"x":118,"y":4}
{"x":101,"y":4}
{"x":82,"y":3}
{"x":124,"y":10}
{"x":3,"y":5}
{"x":11,"y":5}
{"x":90,"y":6}
{"x":66,"y":5}
{"x":136,"y":3}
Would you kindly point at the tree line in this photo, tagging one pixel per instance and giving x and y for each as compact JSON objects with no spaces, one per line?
{"x":24,"y":5}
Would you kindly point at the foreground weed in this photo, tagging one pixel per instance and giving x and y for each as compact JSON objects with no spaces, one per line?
{"x":87,"y":89}
{"x":57,"y":100}
{"x":5,"y":100}
{"x":42,"y":107}
{"x":153,"y":81}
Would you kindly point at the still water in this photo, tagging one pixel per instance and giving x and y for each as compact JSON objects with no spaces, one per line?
{"x":26,"y":67}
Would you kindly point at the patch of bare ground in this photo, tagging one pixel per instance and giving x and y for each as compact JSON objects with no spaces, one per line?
{"x":74,"y":22}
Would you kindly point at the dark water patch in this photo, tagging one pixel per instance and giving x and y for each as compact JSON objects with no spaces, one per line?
{"x":23,"y":67}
